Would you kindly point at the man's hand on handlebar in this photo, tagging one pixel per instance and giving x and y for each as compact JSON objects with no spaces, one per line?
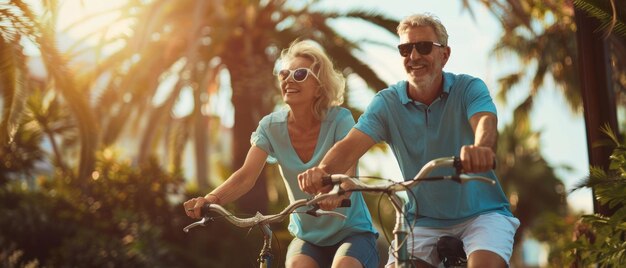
{"x":476,"y":159}
{"x":310,"y":181}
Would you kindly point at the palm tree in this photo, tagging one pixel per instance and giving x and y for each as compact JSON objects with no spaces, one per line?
{"x":612,"y":17}
{"x":542,"y":35}
{"x":612,"y":14}
{"x":18,"y":23}
{"x":194,"y":43}
{"x":14,"y":25}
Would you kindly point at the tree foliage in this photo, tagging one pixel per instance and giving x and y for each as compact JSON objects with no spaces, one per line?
{"x":126,"y":218}
{"x":601,"y":238}
{"x":69,"y":199}
{"x":542,"y":35}
{"x":612,"y":14}
{"x":57,"y":132}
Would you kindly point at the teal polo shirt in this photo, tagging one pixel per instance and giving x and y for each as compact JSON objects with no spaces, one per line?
{"x":418,"y":133}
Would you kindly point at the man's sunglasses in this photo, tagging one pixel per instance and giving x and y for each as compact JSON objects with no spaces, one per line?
{"x":423,"y":48}
{"x":299,"y":74}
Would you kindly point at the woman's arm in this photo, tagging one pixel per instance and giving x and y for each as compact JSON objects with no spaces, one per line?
{"x":238,"y":184}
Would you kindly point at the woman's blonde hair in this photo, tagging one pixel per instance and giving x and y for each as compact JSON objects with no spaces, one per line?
{"x":425,"y":19}
{"x":332,"y":82}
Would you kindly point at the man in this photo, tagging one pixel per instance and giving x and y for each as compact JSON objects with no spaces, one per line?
{"x":434,"y":114}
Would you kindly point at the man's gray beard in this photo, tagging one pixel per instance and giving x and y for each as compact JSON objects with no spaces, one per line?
{"x":419,"y":86}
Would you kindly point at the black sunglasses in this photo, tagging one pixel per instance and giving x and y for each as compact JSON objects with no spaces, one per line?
{"x":299,"y":74}
{"x":423,"y":47}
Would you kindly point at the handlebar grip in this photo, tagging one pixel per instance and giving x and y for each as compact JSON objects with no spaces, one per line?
{"x":204,"y":210}
{"x":326,"y":180}
{"x":459,"y":166}
{"x":346,"y":203}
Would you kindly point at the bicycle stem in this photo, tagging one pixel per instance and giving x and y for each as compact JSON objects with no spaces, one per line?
{"x":265,"y":257}
{"x":400,"y":232}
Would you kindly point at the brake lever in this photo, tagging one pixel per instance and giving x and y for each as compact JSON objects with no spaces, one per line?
{"x":466,"y":178}
{"x":315,"y":211}
{"x":195,"y":224}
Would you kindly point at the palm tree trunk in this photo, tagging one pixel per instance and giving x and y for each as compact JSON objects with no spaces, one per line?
{"x":251,"y":101}
{"x":597,"y":93}
{"x":156,"y":117}
{"x":78,"y":103}
{"x":200,"y":136}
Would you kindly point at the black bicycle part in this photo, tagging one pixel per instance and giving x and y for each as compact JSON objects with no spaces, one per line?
{"x":326,"y":180}
{"x":451,"y":252}
{"x":204,"y":210}
{"x":458,"y":166}
{"x":313,"y":211}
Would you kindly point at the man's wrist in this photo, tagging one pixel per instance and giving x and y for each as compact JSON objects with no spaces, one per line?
{"x":213,"y":198}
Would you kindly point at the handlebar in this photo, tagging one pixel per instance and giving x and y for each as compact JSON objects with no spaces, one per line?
{"x":421,"y":176}
{"x":260,"y":219}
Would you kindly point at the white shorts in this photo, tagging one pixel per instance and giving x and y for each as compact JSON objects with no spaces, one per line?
{"x":492,"y":232}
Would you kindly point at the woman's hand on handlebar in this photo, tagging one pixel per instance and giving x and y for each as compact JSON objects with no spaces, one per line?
{"x":310,"y":181}
{"x":333,"y":202}
{"x":476,"y":159}
{"x":194,"y":205}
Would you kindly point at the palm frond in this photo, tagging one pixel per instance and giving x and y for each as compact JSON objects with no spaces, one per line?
{"x":606,"y":129}
{"x":611,"y":17}
{"x":375,"y":18}
{"x":521,"y":115}
{"x":18,"y":21}
{"x":13,"y":71}
{"x":507,"y":83}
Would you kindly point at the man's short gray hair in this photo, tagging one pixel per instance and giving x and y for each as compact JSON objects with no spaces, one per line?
{"x":425,"y":19}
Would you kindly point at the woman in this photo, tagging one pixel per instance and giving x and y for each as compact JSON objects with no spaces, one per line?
{"x":298,"y":138}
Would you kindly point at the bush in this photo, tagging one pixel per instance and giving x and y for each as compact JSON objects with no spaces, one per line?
{"x":123,"y":217}
{"x":601,"y":238}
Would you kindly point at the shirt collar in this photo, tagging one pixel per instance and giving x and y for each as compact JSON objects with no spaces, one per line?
{"x":401,"y":88}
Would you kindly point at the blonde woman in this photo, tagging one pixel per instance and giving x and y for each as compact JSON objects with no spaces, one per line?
{"x":298,"y":138}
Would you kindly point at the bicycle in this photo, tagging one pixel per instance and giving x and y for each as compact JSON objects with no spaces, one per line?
{"x":263,"y":221}
{"x":450,"y":249}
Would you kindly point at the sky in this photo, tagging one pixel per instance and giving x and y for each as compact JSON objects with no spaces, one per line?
{"x":563,"y":140}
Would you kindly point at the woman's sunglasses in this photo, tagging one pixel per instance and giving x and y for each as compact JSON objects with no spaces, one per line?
{"x":299,"y":74}
{"x":423,"y":48}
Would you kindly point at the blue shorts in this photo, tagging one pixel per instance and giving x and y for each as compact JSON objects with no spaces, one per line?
{"x":360,"y":246}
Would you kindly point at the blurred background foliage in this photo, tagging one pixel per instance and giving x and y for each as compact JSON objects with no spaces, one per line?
{"x":92,"y":156}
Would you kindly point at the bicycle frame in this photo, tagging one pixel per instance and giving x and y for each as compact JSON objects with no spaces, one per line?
{"x":266,"y":256}
{"x":401,"y":228}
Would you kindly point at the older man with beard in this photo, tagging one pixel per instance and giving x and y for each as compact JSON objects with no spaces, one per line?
{"x":430,"y":115}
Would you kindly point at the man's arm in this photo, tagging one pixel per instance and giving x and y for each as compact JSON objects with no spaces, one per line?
{"x":480,"y":156}
{"x":343,"y":155}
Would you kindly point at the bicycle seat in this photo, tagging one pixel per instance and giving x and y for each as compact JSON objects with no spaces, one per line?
{"x":451,"y":252}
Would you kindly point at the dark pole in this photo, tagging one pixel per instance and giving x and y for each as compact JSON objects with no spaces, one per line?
{"x":596,"y":91}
